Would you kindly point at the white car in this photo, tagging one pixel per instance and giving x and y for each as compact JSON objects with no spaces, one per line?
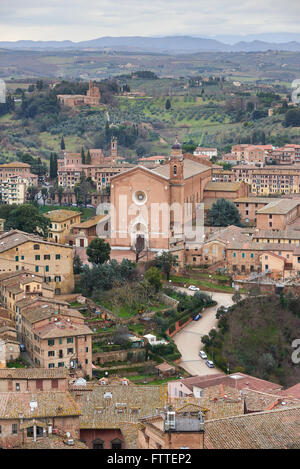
{"x":202,"y":355}
{"x":210,"y":364}
{"x":193,"y":288}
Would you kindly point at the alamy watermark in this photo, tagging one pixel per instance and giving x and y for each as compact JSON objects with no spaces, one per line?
{"x":296,"y":91}
{"x":296,"y":353}
{"x":130,"y":218}
{"x":2,"y":91}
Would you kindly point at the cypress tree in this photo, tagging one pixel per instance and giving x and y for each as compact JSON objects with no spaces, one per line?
{"x":82,"y":156}
{"x":51,"y":166}
{"x":54,"y":166}
{"x":88,"y":158}
{"x":62,"y":143}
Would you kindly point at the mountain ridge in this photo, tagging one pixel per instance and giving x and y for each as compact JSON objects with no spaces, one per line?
{"x":166,"y":44}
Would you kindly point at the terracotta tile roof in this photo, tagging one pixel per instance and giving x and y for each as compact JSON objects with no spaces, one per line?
{"x":38,"y":312}
{"x":257,"y":401}
{"x":14,"y":238}
{"x":165,"y":367}
{"x":16,"y":164}
{"x":33,"y":373}
{"x":108,"y":406}
{"x":190,"y":168}
{"x":222,"y":186}
{"x":53,"y":442}
{"x":216,"y":402}
{"x":276,"y":429}
{"x":62,"y":328}
{"x":254,"y":200}
{"x":293,"y":391}
{"x":130,"y":433}
{"x":230,"y":233}
{"x":281,"y":207}
{"x":61,"y":215}
{"x":89,"y":223}
{"x":238,"y":381}
{"x":49,"y":404}
{"x":282,"y":234}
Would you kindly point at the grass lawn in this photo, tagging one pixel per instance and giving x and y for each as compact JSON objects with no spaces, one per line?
{"x":202,"y":284}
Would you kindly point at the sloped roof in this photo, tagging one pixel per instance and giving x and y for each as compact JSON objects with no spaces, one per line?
{"x":190,"y":168}
{"x":222,"y":186}
{"x":90,"y":222}
{"x":276,"y":429}
{"x":49,"y":404}
{"x":98,"y":411}
{"x":280,"y":207}
{"x":33,"y":373}
{"x":14,"y":238}
{"x":236,"y":380}
{"x":61,"y":215}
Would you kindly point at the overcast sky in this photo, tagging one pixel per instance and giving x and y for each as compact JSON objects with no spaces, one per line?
{"x":79,"y":20}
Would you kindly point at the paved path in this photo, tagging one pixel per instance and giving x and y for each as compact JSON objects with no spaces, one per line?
{"x":188,"y":340}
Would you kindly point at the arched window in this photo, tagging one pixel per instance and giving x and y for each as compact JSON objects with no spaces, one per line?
{"x":175,"y":170}
{"x":98,"y":444}
{"x":116,"y":444}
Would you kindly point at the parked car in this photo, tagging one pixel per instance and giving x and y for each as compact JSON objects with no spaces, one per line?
{"x":210,"y":364}
{"x":193,"y":288}
{"x":197,"y":317}
{"x":22,"y":348}
{"x":202,"y":355}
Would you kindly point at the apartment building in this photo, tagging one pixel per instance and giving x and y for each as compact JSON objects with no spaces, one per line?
{"x":278,"y":214}
{"x":104,"y":174}
{"x":100,"y":168}
{"x":33,"y":379}
{"x":270,"y":179}
{"x":9,"y":345}
{"x":251,"y":154}
{"x":17,"y":169}
{"x":222,"y":175}
{"x":248,"y":207}
{"x":56,"y":337}
{"x":20,"y":251}
{"x":61,"y":223}
{"x":28,"y":419}
{"x":15,"y":286}
{"x":208,"y":152}
{"x":13,"y":190}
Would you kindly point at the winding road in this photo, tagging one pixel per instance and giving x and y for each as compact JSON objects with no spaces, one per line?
{"x":188,"y":340}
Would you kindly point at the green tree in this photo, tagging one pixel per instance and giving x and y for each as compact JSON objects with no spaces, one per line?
{"x":32,"y":192}
{"x":168,"y":104}
{"x":54,"y":166}
{"x":88,"y":158}
{"x":77,"y":264}
{"x":44,"y":194}
{"x":28,"y":218}
{"x":51,"y":166}
{"x":153,"y":276}
{"x":165,"y":262}
{"x":223,"y":213}
{"x":59,"y":191}
{"x":98,"y":251}
{"x":62,"y":144}
{"x":39,"y":85}
{"x":292,"y":118}
{"x":82,"y":156}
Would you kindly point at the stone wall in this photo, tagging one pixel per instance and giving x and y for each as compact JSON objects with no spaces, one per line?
{"x":114,"y":356}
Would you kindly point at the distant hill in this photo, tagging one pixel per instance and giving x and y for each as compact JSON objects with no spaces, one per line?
{"x":169,"y":44}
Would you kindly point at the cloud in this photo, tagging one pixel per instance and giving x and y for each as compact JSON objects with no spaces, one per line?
{"x":88,"y":19}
